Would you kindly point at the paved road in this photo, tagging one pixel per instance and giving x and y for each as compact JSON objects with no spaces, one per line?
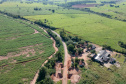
{"x":65,"y":71}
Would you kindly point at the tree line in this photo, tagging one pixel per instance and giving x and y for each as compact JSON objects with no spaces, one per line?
{"x":39,"y":22}
{"x":13,"y":16}
{"x":69,"y":4}
{"x":49,"y":67}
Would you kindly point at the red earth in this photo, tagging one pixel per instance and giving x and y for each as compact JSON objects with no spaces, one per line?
{"x":84,"y":5}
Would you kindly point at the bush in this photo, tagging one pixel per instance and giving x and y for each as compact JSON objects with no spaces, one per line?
{"x":71,"y":48}
{"x":50,"y":64}
{"x":93,"y":51}
{"x":59,"y":56}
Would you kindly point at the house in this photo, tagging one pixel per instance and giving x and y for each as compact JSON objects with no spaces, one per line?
{"x":102,"y":56}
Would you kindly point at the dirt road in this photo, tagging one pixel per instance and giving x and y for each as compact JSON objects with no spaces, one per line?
{"x":65,"y":70}
{"x":36,"y":75}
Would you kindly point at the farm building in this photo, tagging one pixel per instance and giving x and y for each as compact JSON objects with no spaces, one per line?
{"x":102,"y":56}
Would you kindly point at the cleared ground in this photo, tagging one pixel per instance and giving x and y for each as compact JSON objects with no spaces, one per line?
{"x":84,"y":5}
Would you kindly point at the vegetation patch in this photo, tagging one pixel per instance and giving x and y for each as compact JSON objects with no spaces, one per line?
{"x":25,"y":51}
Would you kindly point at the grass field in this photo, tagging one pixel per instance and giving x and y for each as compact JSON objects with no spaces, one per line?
{"x":25,"y":50}
{"x":22,"y":9}
{"x":97,"y":74}
{"x":25,"y":9}
{"x":118,"y":12}
{"x":91,"y":27}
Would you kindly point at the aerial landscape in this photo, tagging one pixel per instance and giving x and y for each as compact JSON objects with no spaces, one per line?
{"x":62,"y":41}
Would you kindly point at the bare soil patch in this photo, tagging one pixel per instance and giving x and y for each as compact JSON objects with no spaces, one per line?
{"x":84,"y":5}
{"x":28,"y":51}
{"x":83,"y":56}
{"x":35,"y":31}
{"x":58,"y":75}
{"x":74,"y":75}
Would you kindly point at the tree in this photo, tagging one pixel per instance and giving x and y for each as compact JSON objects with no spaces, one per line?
{"x":71,"y":48}
{"x":93,"y":51}
{"x":76,"y":60}
{"x":76,"y":65}
{"x":75,"y":38}
{"x":59,"y":56}
{"x":89,"y":46}
{"x":81,"y":42}
{"x":53,"y":11}
{"x":107,"y":47}
{"x":42,"y":74}
{"x":82,"y":60}
{"x":46,"y":81}
{"x":50,"y":64}
{"x":63,"y":35}
{"x":69,"y":42}
{"x":80,"y":51}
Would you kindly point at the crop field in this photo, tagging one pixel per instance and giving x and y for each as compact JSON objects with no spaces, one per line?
{"x":91,"y":27}
{"x":116,"y":12}
{"x":21,"y":50}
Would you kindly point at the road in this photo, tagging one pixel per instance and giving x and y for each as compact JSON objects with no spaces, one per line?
{"x":65,"y":70}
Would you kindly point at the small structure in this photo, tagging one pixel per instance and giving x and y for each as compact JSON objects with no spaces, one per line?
{"x":102,"y":56}
{"x":112,"y":61}
{"x":93,"y":47}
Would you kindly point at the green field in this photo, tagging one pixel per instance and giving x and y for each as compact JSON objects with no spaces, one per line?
{"x":91,"y":27}
{"x":118,"y":13}
{"x":17,"y":37}
{"x":97,"y":74}
{"x":22,"y":9}
{"x":25,"y":9}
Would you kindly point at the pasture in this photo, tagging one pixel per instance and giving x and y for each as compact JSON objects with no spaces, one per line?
{"x":25,"y":9}
{"x":91,"y":27}
{"x":115,"y":12}
{"x":97,"y":74}
{"x":22,"y":51}
{"x":22,"y":9}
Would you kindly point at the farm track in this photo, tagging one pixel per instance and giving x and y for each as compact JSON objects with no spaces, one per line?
{"x":65,"y":70}
{"x":36,"y":75}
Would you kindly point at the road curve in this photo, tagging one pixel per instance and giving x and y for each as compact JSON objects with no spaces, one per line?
{"x":65,"y":70}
